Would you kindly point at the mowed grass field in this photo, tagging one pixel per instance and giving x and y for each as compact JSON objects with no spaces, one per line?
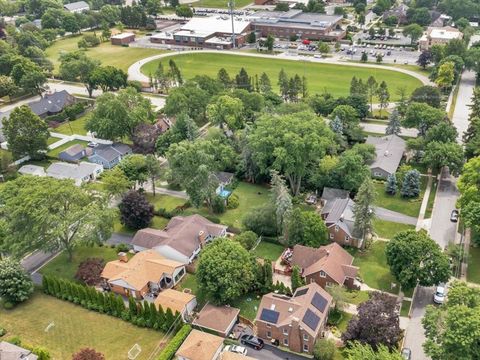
{"x":334,"y":79}
{"x":75,"y":328}
{"x":118,"y":56}
{"x":220,"y":3}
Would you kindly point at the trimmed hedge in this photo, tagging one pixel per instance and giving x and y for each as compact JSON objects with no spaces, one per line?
{"x":169,"y":351}
{"x":140,"y":314}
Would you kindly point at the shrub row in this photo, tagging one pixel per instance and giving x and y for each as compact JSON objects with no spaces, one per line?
{"x":169,"y":351}
{"x":141,"y":314}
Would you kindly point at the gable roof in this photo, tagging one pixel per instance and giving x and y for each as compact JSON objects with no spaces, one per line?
{"x":332,"y":259}
{"x":341,"y":215}
{"x":111,"y":152}
{"x":200,"y":346}
{"x":76,"y":6}
{"x":308,"y":306}
{"x":389,"y":152}
{"x":224,"y":177}
{"x":329,"y":195}
{"x":146,"y":266}
{"x":13,"y":352}
{"x":74,"y":150}
{"x":173,"y":300}
{"x":52,"y":103}
{"x":216,"y":318}
{"x":181,"y":233}
{"x":63,"y":170}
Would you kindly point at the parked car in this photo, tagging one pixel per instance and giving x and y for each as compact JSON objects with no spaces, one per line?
{"x":252,"y":341}
{"x":92,"y":144}
{"x":406,"y":353}
{"x":454,"y":216}
{"x":242,"y":350}
{"x":439,"y":296}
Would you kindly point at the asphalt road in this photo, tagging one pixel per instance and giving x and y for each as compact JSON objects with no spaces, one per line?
{"x":464,"y":98}
{"x":273,"y":353}
{"x":415,"y":336}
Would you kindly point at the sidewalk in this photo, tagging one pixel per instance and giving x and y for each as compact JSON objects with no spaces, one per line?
{"x":423,"y":208}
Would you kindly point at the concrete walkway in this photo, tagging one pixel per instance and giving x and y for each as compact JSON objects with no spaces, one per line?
{"x":134,"y":72}
{"x":423,"y":208}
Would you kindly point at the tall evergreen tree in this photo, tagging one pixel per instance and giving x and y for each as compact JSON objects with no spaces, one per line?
{"x":223,"y":78}
{"x":132,"y":307}
{"x":394,"y":125}
{"x":372,"y":87}
{"x":363,"y":208}
{"x":337,"y":126}
{"x":264,"y":84}
{"x":281,"y":199}
{"x":243,"y":80}
{"x":297,"y":280}
{"x":391,"y":184}
{"x":283,"y":84}
{"x":411,"y":184}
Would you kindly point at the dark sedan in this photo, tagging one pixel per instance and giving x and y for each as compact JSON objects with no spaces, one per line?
{"x":252,"y":341}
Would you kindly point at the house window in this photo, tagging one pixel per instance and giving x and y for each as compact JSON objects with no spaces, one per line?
{"x":285,"y":331}
{"x":322,"y":274}
{"x":336,"y":228}
{"x":269,"y":334}
{"x":305,"y":337}
{"x":305,"y":348}
{"x":331,"y":236}
{"x":269,"y":326}
{"x":347,"y":238}
{"x":285,"y":342}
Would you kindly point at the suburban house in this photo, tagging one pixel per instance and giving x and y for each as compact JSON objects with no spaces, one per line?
{"x":294,"y":322}
{"x":144,"y":275}
{"x":177,"y":301}
{"x":79,"y":173}
{"x":122,"y":39}
{"x":109,"y":155}
{"x":339,"y":219}
{"x":389,"y":152}
{"x":52,"y":104}
{"x":200,"y":346}
{"x":77,"y":7}
{"x":33,"y":170}
{"x":438,"y":36}
{"x":224,"y":179}
{"x":328,"y":265}
{"x":217,"y":319}
{"x":164,"y":124}
{"x":181,"y":240}
{"x":400,"y":12}
{"x":13,"y":352}
{"x":74,"y":153}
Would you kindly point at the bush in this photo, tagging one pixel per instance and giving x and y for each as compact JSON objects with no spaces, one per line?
{"x":213,"y":219}
{"x":324,"y":350}
{"x":89,"y":271}
{"x":7,"y":305}
{"x":218,"y":205}
{"x":261,"y":221}
{"x":247,"y":239}
{"x":123,"y":248}
{"x":15,"y":341}
{"x":88,"y":354}
{"x":2,"y":331}
{"x":169,"y":351}
{"x":233,"y":202}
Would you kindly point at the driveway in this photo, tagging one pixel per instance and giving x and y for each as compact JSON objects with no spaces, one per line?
{"x":389,"y":215}
{"x":380,"y":129}
{"x":273,"y":353}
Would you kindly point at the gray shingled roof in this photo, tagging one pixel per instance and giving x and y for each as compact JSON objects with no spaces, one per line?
{"x":389,"y":152}
{"x":329,"y":195}
{"x":111,"y":152}
{"x":341,"y":215}
{"x":76,"y":6}
{"x":13,"y":352}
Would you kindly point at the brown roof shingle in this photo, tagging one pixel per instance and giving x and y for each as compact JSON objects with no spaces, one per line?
{"x":200,"y":346}
{"x":217,"y":318}
{"x":173,"y":300}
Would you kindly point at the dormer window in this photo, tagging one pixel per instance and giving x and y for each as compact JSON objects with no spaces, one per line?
{"x":322,"y":274}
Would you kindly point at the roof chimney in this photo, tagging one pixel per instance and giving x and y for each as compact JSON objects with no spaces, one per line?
{"x":202,"y":238}
{"x":122,"y":257}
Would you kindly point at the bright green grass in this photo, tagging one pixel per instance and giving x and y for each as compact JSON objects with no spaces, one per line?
{"x":387,"y":229}
{"x":320,"y":77}
{"x":268,"y":251}
{"x":165,"y":201}
{"x":75,"y":328}
{"x":52,"y":140}
{"x":405,"y":309}
{"x":54,"y":153}
{"x":157,"y":223}
{"x":118,"y":56}
{"x":73,"y":127}
{"x":356,"y":296}
{"x":220,"y":3}
{"x":61,"y":267}
{"x":410,"y":207}
{"x":248,"y":305}
{"x":373,"y":267}
{"x":342,"y":325}
{"x":473,"y":271}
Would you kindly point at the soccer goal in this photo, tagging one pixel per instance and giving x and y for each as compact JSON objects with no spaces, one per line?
{"x":134,"y":352}
{"x":49,"y":326}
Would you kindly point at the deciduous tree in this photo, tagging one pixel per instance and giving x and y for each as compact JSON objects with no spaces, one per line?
{"x":438,"y":155}
{"x":89,"y":271}
{"x":135,"y":210}
{"x":359,"y":351}
{"x":88,"y":354}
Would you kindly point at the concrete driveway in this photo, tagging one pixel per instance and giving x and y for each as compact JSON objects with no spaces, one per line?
{"x":389,"y":215}
{"x":273,"y":353}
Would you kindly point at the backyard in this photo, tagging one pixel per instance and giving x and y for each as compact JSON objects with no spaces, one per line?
{"x":54,"y":153}
{"x":268,"y":251}
{"x":75,"y":328}
{"x":73,"y":127}
{"x":118,"y":56}
{"x":473,"y":273}
{"x":387,"y":229}
{"x":334,"y":79}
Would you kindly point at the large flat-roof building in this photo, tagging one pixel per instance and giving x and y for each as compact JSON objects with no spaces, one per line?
{"x":210,"y":31}
{"x":297,"y":23}
{"x":438,"y":36}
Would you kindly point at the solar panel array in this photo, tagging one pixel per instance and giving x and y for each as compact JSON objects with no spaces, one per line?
{"x":311,"y":320}
{"x":270,"y":316}
{"x":319,"y":302}
{"x":301,"y":292}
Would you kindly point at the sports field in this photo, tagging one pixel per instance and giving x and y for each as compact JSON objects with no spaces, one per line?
{"x":118,"y":56}
{"x":334,"y":79}
{"x":220,"y":3}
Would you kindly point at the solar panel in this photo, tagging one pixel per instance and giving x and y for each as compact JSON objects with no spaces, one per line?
{"x":319,"y":302}
{"x":301,"y":292}
{"x":311,"y":320}
{"x":270,"y":316}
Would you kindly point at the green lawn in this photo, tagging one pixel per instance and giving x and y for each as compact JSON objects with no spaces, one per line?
{"x":405,"y":309}
{"x":248,"y":305}
{"x":118,"y":56}
{"x":268,"y":251}
{"x":73,"y":127}
{"x":165,"y":201}
{"x":356,"y":297}
{"x":54,"y":153}
{"x":473,"y":272}
{"x":320,"y":77}
{"x":220,"y":3}
{"x":342,"y":325}
{"x":52,"y":140}
{"x":61,"y":267}
{"x":387,"y":229}
{"x":157,"y":223}
{"x":395,"y":202}
{"x":75,"y":328}
{"x":373,"y":267}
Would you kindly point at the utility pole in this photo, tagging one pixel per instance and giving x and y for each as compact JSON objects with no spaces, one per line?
{"x":231,"y":5}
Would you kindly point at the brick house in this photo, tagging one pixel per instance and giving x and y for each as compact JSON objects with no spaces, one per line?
{"x":294,"y":322}
{"x":327,"y":265}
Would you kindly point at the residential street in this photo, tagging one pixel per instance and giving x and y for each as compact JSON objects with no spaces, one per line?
{"x":464,"y":98}
{"x":380,"y":129}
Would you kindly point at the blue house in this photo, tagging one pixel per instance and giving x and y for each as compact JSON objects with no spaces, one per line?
{"x":109,"y":155}
{"x":73,"y":153}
